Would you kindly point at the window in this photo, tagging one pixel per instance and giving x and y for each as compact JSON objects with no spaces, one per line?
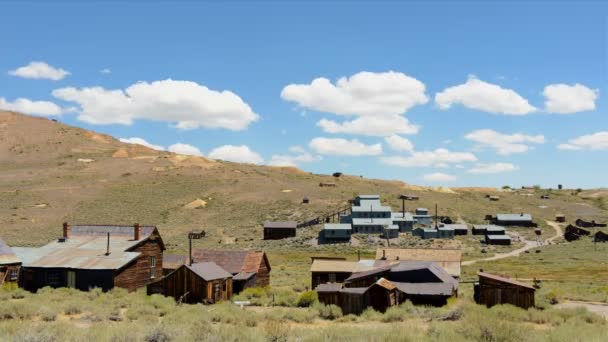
{"x":53,"y":278}
{"x":14,"y":274}
{"x":152,"y":267}
{"x":332,"y":277}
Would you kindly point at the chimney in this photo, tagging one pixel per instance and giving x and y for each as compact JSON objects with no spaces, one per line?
{"x":108,"y":245}
{"x":383,"y":254}
{"x":136,"y":231}
{"x":66,"y":230}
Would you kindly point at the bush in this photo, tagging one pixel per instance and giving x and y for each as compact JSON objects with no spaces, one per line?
{"x":330,"y":312}
{"x":307,"y":299}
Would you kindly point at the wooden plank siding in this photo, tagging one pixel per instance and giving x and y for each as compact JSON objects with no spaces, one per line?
{"x":491,"y":292}
{"x":6,"y":272}
{"x":138,"y":273}
{"x":186,"y":286}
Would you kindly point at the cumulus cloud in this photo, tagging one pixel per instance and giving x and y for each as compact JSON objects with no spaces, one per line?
{"x":105,"y":71}
{"x":187,"y":149}
{"x":493,"y":168}
{"x":504,"y":144}
{"x":187,"y":104}
{"x":362,"y":94}
{"x":27,"y":106}
{"x":566,"y":99}
{"x":399,"y":143}
{"x":40,"y":70}
{"x":595,"y":141}
{"x":298,"y":156}
{"x":439,"y":177}
{"x":371,"y":126}
{"x":440,"y":157}
{"x":344,"y":147}
{"x":479,"y":95}
{"x":237,"y":154}
{"x":141,"y":141}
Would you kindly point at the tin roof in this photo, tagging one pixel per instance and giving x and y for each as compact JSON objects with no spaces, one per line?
{"x":7,"y":255}
{"x":398,"y":216}
{"x":505,"y":280}
{"x":209,"y":271}
{"x":448,"y":259}
{"x":233,"y":261}
{"x":337,"y":226}
{"x":498,"y":237}
{"x":174,"y":261}
{"x":429,"y":289}
{"x":354,"y":290}
{"x":147,"y":232}
{"x":329,"y":287}
{"x":281,"y":224}
{"x":456,"y":226}
{"x":328,"y":265}
{"x":514,"y":217}
{"x":372,"y":221}
{"x":75,"y":258}
{"x":385,"y":284}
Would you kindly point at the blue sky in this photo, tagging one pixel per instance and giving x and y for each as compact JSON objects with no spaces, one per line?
{"x":461,"y":94}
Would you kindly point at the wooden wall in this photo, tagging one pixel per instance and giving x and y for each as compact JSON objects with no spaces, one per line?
{"x":329,"y":298}
{"x":137,"y":273}
{"x":323,"y":277}
{"x":33,"y":279}
{"x":5,"y":273}
{"x":279,"y":233}
{"x":262,"y":278}
{"x":492,"y":292}
{"x":186,"y":285}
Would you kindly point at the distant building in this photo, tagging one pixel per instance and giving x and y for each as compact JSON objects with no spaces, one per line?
{"x":172,"y":262}
{"x":498,"y":240}
{"x":337,"y":231}
{"x":422,"y":217}
{"x":10,"y":265}
{"x":449,"y":259}
{"x":279,"y":230}
{"x":336,"y":270}
{"x":494,"y":290}
{"x":560,"y":218}
{"x":95,"y":256}
{"x":521,"y":220}
{"x":587,"y":224}
{"x":483,"y":229}
{"x":459,"y":229}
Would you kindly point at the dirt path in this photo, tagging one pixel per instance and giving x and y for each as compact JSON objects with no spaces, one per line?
{"x":528,"y":245}
{"x":598,"y":308}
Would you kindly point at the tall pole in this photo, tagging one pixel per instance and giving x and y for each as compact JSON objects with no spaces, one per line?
{"x":436,"y":219}
{"x":190,"y":253}
{"x":403,"y":206}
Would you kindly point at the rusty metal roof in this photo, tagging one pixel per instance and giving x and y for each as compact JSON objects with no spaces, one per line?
{"x":233,"y":261}
{"x":503,"y":279}
{"x":209,"y":271}
{"x":387,"y":284}
{"x":7,"y":255}
{"x":448,"y":259}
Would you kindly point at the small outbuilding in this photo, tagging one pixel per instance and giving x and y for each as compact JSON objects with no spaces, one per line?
{"x":279,"y":230}
{"x":484,"y":229}
{"x":337,"y":231}
{"x":560,"y":218}
{"x":328,"y":294}
{"x":521,"y":220}
{"x":10,"y":265}
{"x":572,"y":233}
{"x":587,"y":224}
{"x":600,"y":237}
{"x":494,"y":290}
{"x":498,"y":240}
{"x":459,"y":229}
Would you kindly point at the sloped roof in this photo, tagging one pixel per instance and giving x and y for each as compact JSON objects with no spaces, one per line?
{"x":448,"y":259}
{"x":233,"y":261}
{"x":365,"y":274}
{"x":354,"y":290}
{"x":76,"y":258}
{"x":209,"y":271}
{"x":146,"y":232}
{"x":281,"y":224}
{"x":343,"y":266}
{"x":335,"y":287}
{"x":174,"y":261}
{"x":433,"y":267}
{"x":387,"y":284}
{"x":437,"y":289}
{"x":514,"y":217}
{"x":506,"y":280}
{"x":7,"y":255}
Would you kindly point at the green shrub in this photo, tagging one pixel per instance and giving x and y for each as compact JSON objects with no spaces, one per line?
{"x":330,"y":312}
{"x":307,"y":299}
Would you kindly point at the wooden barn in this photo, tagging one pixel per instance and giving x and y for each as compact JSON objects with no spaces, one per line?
{"x":95,"y":256}
{"x":10,"y":265}
{"x":572,"y":233}
{"x":203,"y":282}
{"x":279,"y":230}
{"x":493,"y":290}
{"x":248,"y":268}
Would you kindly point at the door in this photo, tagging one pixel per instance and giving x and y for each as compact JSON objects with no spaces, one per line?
{"x":72,"y":279}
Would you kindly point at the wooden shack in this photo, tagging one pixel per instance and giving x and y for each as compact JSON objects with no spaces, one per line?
{"x":600,"y":237}
{"x":10,"y":265}
{"x":248,"y":268}
{"x":560,"y":218}
{"x":95,"y":256}
{"x":382,"y":294}
{"x":279,"y":230}
{"x":327,"y":184}
{"x":494,"y":289}
{"x":586,"y":224}
{"x":572,"y":233}
{"x":518,"y":220}
{"x":203,"y":282}
{"x":328,"y":294}
{"x":504,"y":240}
{"x":448,"y":258}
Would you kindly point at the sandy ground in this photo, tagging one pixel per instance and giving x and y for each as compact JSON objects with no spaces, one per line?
{"x":598,"y":308}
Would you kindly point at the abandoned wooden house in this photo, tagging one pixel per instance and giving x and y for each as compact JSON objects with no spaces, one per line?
{"x":600,"y":237}
{"x":380,"y":295}
{"x":485,"y":229}
{"x":327,"y":184}
{"x":10,"y":265}
{"x":305,"y":200}
{"x":336,"y":270}
{"x":519,"y":220}
{"x":95,"y":256}
{"x":586,"y":224}
{"x":572,"y":233}
{"x":448,"y":258}
{"x":337,"y":231}
{"x":279,"y":230}
{"x":497,"y":240}
{"x":328,"y":294}
{"x":203,"y":282}
{"x":248,"y":268}
{"x":494,"y":289}
{"x":172,"y":262}
{"x":560,"y":218}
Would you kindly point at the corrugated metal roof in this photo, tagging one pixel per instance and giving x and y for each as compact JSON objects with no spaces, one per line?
{"x":209,"y":271}
{"x":498,"y":237}
{"x":429,"y":289}
{"x":281,"y":224}
{"x":7,"y":255}
{"x":360,"y":197}
{"x":325,"y":265}
{"x":85,"y":259}
{"x":385,"y":284}
{"x":233,"y":261}
{"x":329,"y":287}
{"x":337,"y":226}
{"x":514,"y":217}
{"x":506,"y":280}
{"x":398,"y":216}
{"x":448,"y":259}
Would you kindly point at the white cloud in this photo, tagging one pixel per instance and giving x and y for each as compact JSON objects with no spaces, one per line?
{"x":105,"y":71}
{"x":566,"y":99}
{"x":595,"y":141}
{"x":504,"y":144}
{"x":344,"y":147}
{"x":362,"y":94}
{"x":27,"y":106}
{"x":141,"y":141}
{"x":371,"y":126}
{"x":479,"y":95}
{"x":40,"y":70}
{"x":291,"y":160}
{"x":186,"y":149}
{"x":493,"y":168}
{"x":237,"y":154}
{"x":187,"y":104}
{"x":440,"y":157}
{"x":438,"y":177}
{"x":399,"y":143}
{"x":297,"y":149}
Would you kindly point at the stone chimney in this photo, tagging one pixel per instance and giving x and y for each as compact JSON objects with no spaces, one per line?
{"x":136,"y":231}
{"x":66,"y":230}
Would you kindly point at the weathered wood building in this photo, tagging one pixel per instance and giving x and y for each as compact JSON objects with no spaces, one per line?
{"x":448,"y":258}
{"x":203,"y":282}
{"x":519,"y":220}
{"x":172,"y":262}
{"x":494,"y":289}
{"x":10,"y":265}
{"x":248,"y":268}
{"x":572,"y":233}
{"x":589,"y":224}
{"x":504,"y":240}
{"x":279,"y":230}
{"x":95,"y":256}
{"x":335,"y":270}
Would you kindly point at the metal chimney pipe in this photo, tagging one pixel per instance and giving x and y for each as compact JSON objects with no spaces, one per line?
{"x":108,"y":245}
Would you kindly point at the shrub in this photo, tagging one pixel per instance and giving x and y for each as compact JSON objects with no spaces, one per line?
{"x":307,"y":299}
{"x":276,"y":331}
{"x":158,"y":335}
{"x":330,"y":312}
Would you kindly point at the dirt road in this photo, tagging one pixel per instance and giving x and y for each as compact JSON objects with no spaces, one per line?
{"x":528,"y":245}
{"x":598,"y":308}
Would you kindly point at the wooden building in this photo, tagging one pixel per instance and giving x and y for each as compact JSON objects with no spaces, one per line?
{"x":334,"y":270}
{"x":248,"y":268}
{"x":488,"y":229}
{"x":572,"y":233}
{"x":448,"y":258}
{"x":279,"y":230}
{"x":203,"y":282}
{"x":95,"y":256}
{"x":560,"y":218}
{"x":172,"y":262}
{"x":328,"y":294}
{"x":519,"y":220}
{"x":504,"y":240}
{"x":10,"y":265}
{"x":587,"y":224}
{"x":600,"y":237}
{"x":493,"y":290}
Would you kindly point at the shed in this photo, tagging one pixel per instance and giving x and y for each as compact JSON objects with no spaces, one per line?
{"x":445,"y":232}
{"x":498,"y":240}
{"x":572,"y":233}
{"x":560,"y":218}
{"x":337,"y":231}
{"x":521,"y":220}
{"x":495,"y":230}
{"x":600,"y":237}
{"x":382,"y":294}
{"x":494,"y":289}
{"x":329,"y":293}
{"x":305,"y":200}
{"x":459,"y":229}
{"x":353,"y":300}
{"x":203,"y":282}
{"x":426,"y":233}
{"x":391,"y":232}
{"x":10,"y":264}
{"x":589,"y":224}
{"x":279,"y":230}
{"x":482,"y":229}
